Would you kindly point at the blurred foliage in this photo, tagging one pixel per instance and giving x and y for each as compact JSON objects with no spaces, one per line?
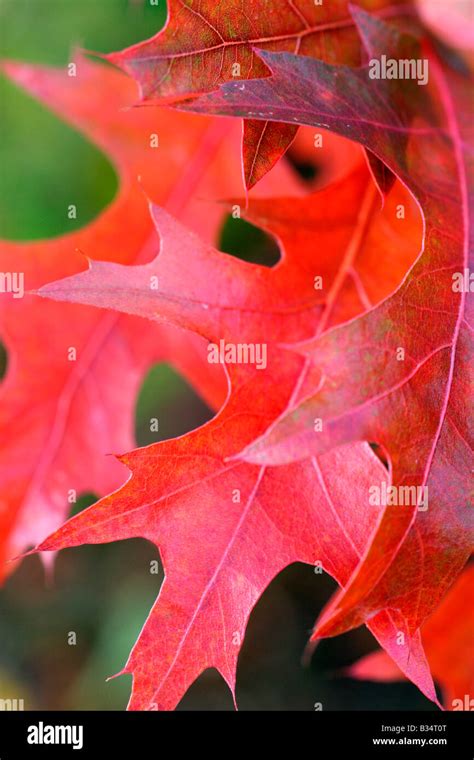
{"x":247,"y":242}
{"x":104,"y":593}
{"x":40,"y":155}
{"x":165,"y":396}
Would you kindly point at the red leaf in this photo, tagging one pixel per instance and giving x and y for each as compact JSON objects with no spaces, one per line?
{"x":448,"y":637}
{"x":59,"y":418}
{"x":180,"y":495}
{"x":264,"y":143}
{"x":419,"y":408}
{"x":38,"y":469}
{"x":202,"y":47}
{"x":224,"y":297}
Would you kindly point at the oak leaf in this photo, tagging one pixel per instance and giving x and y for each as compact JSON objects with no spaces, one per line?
{"x":401,"y":375}
{"x":448,"y":638}
{"x":225,"y":528}
{"x":206,"y":44}
{"x":74,"y":373}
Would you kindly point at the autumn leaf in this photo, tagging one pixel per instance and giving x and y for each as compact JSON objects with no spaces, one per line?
{"x":239,"y":511}
{"x":325,"y":353}
{"x":181,"y":161}
{"x":74,"y":373}
{"x":206,"y":44}
{"x":448,"y":638}
{"x":400,"y":375}
{"x":224,"y":297}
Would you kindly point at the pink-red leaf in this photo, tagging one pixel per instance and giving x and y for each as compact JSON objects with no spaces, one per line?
{"x":400,"y":375}
{"x":206,"y":44}
{"x":448,"y":638}
{"x":181,"y":493}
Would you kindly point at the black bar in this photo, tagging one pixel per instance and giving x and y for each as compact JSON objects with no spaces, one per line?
{"x":325,"y":734}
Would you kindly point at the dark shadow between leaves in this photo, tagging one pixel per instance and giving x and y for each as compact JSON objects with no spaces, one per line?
{"x":167,"y":407}
{"x":243,"y":240}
